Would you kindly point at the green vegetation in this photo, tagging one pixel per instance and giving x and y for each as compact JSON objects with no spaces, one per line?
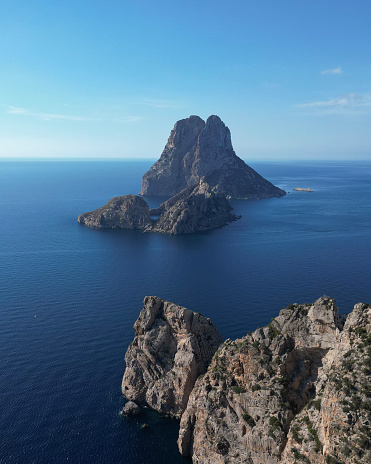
{"x":274,"y":423}
{"x":256,"y":345}
{"x":238,"y":389}
{"x":249,"y":420}
{"x":295,"y":434}
{"x":333,"y":460}
{"x":316,"y":404}
{"x":314,"y":434}
{"x":273,"y":332}
{"x":300,"y":456}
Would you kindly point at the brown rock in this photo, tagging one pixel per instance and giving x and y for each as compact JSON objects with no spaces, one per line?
{"x":295,"y":391}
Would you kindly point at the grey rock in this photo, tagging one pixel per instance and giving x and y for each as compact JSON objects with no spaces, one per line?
{"x":130,"y":409}
{"x":196,"y":149}
{"x":124,"y":212}
{"x":171,"y":348}
{"x":294,"y":391}
{"x":195,"y":209}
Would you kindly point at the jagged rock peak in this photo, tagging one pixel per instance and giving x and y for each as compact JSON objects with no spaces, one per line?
{"x":216,"y":132}
{"x":171,"y":348}
{"x":197,"y":149}
{"x":185,"y":132}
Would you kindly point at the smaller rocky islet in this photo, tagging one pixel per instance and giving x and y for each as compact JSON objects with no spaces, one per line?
{"x":195,"y":209}
{"x":201,"y":171}
{"x":297,"y":390}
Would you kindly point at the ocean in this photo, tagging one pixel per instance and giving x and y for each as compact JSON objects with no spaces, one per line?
{"x":69,"y":295}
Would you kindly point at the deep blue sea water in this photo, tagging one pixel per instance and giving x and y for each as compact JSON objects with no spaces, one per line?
{"x":69,"y":295}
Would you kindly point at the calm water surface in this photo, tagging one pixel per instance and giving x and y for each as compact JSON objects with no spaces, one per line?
{"x":69,"y":295}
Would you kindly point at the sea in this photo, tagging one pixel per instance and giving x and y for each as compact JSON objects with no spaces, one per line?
{"x":69,"y":295}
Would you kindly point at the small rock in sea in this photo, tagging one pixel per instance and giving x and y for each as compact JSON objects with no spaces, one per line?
{"x":130,"y":409}
{"x":144,"y":426}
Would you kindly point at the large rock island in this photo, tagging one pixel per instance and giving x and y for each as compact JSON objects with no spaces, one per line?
{"x":196,"y":149}
{"x":295,"y":391}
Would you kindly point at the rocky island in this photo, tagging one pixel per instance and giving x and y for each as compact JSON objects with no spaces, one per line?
{"x":295,"y":391}
{"x":199,"y":170}
{"x":196,"y":149}
{"x":195,"y":209}
{"x":124,"y":212}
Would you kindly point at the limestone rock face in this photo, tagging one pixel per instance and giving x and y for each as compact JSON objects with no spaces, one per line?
{"x":196,"y":149}
{"x":171,"y":348}
{"x":125,"y":212}
{"x":196,"y":208}
{"x":295,"y":391}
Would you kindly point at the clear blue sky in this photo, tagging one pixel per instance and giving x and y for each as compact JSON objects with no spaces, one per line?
{"x":94,"y":78}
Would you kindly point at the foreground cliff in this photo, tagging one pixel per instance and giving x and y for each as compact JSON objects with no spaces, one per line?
{"x":171,"y":348}
{"x":196,"y":149}
{"x":295,"y":391}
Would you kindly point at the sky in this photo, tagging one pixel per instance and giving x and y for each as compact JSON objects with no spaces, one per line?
{"x":109,"y":79}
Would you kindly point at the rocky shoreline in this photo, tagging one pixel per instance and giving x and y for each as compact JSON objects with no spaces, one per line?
{"x":297,"y":390}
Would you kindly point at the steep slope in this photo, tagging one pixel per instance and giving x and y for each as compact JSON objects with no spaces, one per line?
{"x":171,"y":348}
{"x":193,"y":210}
{"x":295,"y":391}
{"x":125,"y":212}
{"x":196,"y":149}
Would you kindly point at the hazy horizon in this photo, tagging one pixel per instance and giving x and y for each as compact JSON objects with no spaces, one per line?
{"x":86,"y":79}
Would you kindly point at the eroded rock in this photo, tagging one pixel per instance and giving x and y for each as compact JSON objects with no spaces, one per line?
{"x":294,"y":391}
{"x":124,"y":212}
{"x":171,"y":348}
{"x":194,"y":209}
{"x":196,"y":149}
{"x":130,"y":409}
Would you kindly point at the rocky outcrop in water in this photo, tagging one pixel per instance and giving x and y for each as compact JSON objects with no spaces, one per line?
{"x":196,"y":149}
{"x":130,"y":409}
{"x":171,"y":348}
{"x":125,"y":212}
{"x":193,"y":210}
{"x":295,"y":391}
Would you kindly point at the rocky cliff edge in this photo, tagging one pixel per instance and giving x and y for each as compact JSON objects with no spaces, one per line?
{"x":171,"y":348}
{"x":295,"y":391}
